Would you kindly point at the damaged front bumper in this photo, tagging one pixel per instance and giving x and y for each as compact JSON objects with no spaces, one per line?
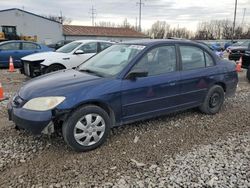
{"x":34,"y":121}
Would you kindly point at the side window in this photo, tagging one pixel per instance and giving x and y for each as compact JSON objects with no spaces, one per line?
{"x":89,"y":48}
{"x":104,"y":45}
{"x":30,"y":46}
{"x":209,"y":60}
{"x":159,"y":60}
{"x":192,"y":57}
{"x":10,"y":46}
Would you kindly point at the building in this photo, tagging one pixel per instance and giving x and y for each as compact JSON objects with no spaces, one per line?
{"x":74,"y":32}
{"x":49,"y":31}
{"x":29,"y":24}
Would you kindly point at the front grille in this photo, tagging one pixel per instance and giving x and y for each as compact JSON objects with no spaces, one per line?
{"x":17,"y":101}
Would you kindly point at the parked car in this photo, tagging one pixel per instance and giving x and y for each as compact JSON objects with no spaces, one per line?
{"x":18,"y":49}
{"x":246,"y":62}
{"x":236,"y":50}
{"x":228,"y":44}
{"x":218,"y":53}
{"x":59,"y":44}
{"x":217,"y":46}
{"x":69,"y":56}
{"x":125,"y":83}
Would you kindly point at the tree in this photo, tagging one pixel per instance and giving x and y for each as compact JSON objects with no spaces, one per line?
{"x":161,"y":29}
{"x":105,"y":24}
{"x":62,"y":19}
{"x":124,"y":24}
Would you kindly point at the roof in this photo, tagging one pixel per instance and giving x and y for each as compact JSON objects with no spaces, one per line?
{"x":28,"y":13}
{"x":156,"y":41}
{"x":75,"y":30}
{"x":92,"y":40}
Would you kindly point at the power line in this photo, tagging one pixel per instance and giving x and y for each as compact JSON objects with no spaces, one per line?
{"x":93,"y":13}
{"x":140,"y":5}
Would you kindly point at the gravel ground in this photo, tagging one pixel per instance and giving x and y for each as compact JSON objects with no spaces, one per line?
{"x":186,"y":149}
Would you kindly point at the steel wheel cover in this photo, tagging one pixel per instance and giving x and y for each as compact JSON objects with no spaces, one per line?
{"x":89,"y":129}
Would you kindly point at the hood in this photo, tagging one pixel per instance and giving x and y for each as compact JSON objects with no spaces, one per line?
{"x":57,"y":84}
{"x":45,"y":56}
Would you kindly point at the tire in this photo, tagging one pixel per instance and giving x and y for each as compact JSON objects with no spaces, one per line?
{"x":86,"y":128}
{"x":53,"y":68}
{"x":248,"y":74}
{"x":213,"y":100}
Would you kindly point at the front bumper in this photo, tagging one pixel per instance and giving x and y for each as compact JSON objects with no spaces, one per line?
{"x":31,"y":68}
{"x":33,"y":121}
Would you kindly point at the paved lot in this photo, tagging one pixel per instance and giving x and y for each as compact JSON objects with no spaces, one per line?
{"x":187,"y":149}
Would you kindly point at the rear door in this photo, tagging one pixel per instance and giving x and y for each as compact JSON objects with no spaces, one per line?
{"x":155,"y":93}
{"x":10,"y":49}
{"x":197,"y":70}
{"x":29,"y":48}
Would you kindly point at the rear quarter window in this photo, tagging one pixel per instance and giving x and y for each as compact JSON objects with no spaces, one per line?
{"x":209,"y":60}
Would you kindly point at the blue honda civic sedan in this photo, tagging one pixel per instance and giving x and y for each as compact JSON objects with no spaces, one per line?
{"x":125,"y":83}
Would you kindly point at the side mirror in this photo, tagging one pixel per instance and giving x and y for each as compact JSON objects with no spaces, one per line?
{"x":136,"y":74}
{"x":77,"y":52}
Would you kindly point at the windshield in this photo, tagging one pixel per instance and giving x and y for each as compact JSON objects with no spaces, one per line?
{"x":112,"y":60}
{"x":68,"y":47}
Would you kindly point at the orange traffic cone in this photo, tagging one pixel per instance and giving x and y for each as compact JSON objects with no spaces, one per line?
{"x":11,"y":65}
{"x":1,"y":93}
{"x":238,"y":65}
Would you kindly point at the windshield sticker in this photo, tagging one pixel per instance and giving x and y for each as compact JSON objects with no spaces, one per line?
{"x":137,"y":47}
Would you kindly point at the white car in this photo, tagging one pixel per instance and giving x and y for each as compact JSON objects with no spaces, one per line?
{"x":69,"y":56}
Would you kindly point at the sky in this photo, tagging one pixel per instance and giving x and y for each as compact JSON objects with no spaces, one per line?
{"x":178,"y":13}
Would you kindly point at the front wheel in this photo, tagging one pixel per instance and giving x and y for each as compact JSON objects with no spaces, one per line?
{"x":86,"y":128}
{"x":213,"y":100}
{"x":248,"y":74}
{"x":53,"y":68}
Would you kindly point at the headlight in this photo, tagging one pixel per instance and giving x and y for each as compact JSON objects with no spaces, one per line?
{"x":43,"y":103}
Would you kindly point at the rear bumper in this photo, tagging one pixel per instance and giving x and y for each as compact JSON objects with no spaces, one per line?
{"x":33,"y":121}
{"x":231,"y":86}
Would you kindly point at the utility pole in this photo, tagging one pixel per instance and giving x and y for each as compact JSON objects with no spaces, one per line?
{"x":93,"y":13}
{"x":140,"y":4}
{"x":136,"y":24}
{"x":61,"y":17}
{"x":235,"y":10}
{"x":244,"y":13}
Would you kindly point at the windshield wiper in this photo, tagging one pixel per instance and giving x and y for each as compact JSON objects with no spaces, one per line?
{"x":91,"y":72}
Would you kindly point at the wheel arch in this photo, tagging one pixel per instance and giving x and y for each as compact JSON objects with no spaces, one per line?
{"x":222,"y":84}
{"x":60,"y":64}
{"x":100,"y":104}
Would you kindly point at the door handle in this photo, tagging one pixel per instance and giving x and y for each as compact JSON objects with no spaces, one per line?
{"x":172,"y":84}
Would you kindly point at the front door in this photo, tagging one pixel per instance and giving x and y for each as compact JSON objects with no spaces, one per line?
{"x":155,"y":93}
{"x":10,"y":49}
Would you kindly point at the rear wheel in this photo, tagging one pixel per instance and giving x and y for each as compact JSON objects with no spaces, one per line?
{"x":248,"y":74}
{"x":86,"y":128}
{"x":213,"y":101}
{"x":53,"y":68}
